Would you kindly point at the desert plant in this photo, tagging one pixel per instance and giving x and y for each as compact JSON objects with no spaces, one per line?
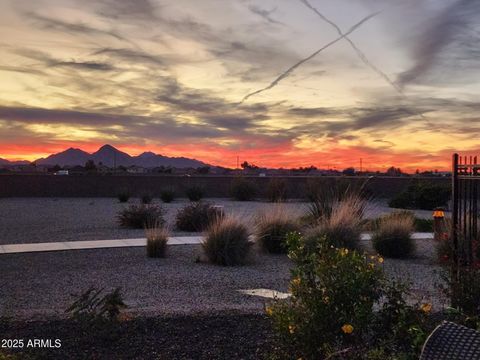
{"x":197,"y":216}
{"x":342,"y":227}
{"x":194,"y":193}
{"x":146,"y":198}
{"x":422,"y":195}
{"x":157,"y":238}
{"x":342,"y":306}
{"x":167,"y":195}
{"x":138,"y":216}
{"x":276,"y":190}
{"x":421,"y":224}
{"x":393,"y":238}
{"x":325,"y":197}
{"x":272,"y":228}
{"x":227,"y":242}
{"x":242,"y":189}
{"x":91,"y":305}
{"x":123,"y":196}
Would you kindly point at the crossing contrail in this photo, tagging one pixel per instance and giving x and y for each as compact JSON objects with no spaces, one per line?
{"x":361,"y":55}
{"x":359,"y":52}
{"x":292,"y":68}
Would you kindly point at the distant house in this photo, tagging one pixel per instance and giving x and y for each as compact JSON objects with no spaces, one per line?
{"x":77,"y":170}
{"x":61,"y":172}
{"x":136,"y":170}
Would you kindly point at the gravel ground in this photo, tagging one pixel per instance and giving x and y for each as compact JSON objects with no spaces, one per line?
{"x":32,"y":220}
{"x":39,"y":285}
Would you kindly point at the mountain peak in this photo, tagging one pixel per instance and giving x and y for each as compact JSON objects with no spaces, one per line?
{"x":147,"y":154}
{"x":107,"y":147}
{"x":112,"y":157}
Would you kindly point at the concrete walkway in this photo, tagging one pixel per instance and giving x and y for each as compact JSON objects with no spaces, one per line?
{"x":99,"y":244}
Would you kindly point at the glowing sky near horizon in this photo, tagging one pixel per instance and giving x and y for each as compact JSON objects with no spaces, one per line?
{"x":168,"y":76}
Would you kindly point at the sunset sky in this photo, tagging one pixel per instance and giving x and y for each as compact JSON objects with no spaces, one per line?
{"x":169,"y":76}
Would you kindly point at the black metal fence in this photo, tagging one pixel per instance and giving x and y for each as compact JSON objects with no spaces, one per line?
{"x":465,"y":183}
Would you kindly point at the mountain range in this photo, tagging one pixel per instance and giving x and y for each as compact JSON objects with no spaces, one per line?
{"x":112,"y":157}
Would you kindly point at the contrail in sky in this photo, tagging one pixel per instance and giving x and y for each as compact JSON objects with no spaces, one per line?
{"x":359,"y":52}
{"x":292,"y":68}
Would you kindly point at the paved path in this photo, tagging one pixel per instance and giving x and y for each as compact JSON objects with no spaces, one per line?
{"x":99,"y":244}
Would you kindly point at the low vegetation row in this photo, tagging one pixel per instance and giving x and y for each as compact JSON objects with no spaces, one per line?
{"x":341,"y":304}
{"x":418,"y":195}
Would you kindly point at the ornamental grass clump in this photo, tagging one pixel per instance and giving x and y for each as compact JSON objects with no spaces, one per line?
{"x":157,"y":238}
{"x":393,"y":237}
{"x":342,"y":306}
{"x":227,"y":242}
{"x":342,"y":227}
{"x":194,"y":193}
{"x":167,"y":195}
{"x":277,"y":190}
{"x":139,"y":216}
{"x":243,"y":189}
{"x":197,"y":216}
{"x":272,"y":228}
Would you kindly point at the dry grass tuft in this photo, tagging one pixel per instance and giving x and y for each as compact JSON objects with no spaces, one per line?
{"x":157,"y":238}
{"x":272,"y":228}
{"x":227,"y":242}
{"x":342,"y":228}
{"x":393,"y":238}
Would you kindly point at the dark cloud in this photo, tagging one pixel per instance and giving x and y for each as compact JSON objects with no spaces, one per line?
{"x":310,"y":112}
{"x":128,"y":9}
{"x":86,"y":65}
{"x":58,"y":25}
{"x":131,"y":56}
{"x":50,"y":61}
{"x":265,"y":14}
{"x":449,"y":27}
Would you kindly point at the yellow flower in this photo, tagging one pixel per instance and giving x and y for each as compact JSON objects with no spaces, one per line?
{"x":343,"y":252}
{"x":426,"y":308}
{"x":269,"y":310}
{"x":296,"y":281}
{"x":326,"y":299}
{"x":380,"y":260}
{"x":291,"y":329}
{"x":347,"y":329}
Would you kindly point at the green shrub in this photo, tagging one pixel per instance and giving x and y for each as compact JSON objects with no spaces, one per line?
{"x":242,"y":189}
{"x":194,"y":193}
{"x":272,"y":228}
{"x":123,"y":196}
{"x":422,"y":195}
{"x":197,"y":216}
{"x":343,"y":226}
{"x":92,"y":306}
{"x":146,"y":199}
{"x":139,"y":216}
{"x":157,"y":239}
{"x":167,"y":195}
{"x":276,"y":190}
{"x":393,"y":238}
{"x":342,"y":306}
{"x":227,"y":242}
